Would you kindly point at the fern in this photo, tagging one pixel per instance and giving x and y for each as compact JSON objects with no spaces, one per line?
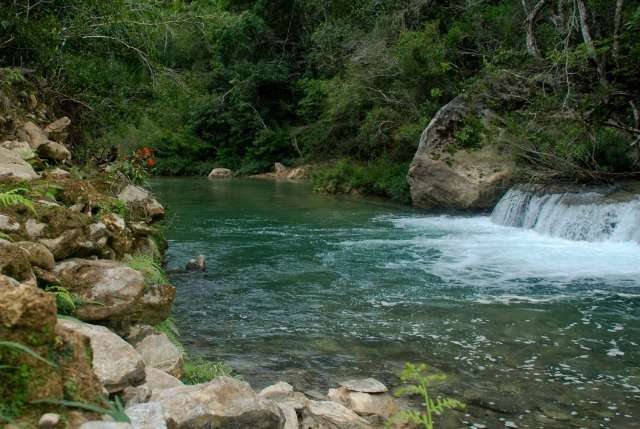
{"x":66,"y":302}
{"x":24,"y":349}
{"x":15,"y":197}
{"x":416,"y":374}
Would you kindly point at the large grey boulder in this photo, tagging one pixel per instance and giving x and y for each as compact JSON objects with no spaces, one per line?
{"x":159,"y":380}
{"x":444,"y":175}
{"x":331,"y":415}
{"x":115,"y":362}
{"x":223,"y":402}
{"x":13,"y":167}
{"x":53,"y":151}
{"x":23,"y":149}
{"x":137,"y":198}
{"x":146,"y":416}
{"x":382,"y":405}
{"x":287,"y":400}
{"x":116,"y":288}
{"x":159,"y":352}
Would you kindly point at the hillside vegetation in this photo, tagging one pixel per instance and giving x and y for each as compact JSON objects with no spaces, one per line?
{"x":242,"y":84}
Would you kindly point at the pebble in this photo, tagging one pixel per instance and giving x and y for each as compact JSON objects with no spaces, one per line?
{"x":48,"y":421}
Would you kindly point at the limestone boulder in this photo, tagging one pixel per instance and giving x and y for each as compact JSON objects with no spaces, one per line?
{"x":158,"y":380}
{"x":38,"y":254}
{"x":14,"y":263}
{"x":223,"y":402}
{"x":446,"y":175}
{"x":58,"y":173}
{"x":283,"y":393}
{"x":32,"y":134}
{"x":54,"y":152}
{"x":14,"y":168}
{"x":146,"y":416}
{"x":220,"y":173}
{"x":133,"y":395}
{"x":8,"y":224}
{"x":382,"y":405}
{"x":115,"y":288}
{"x":57,"y":126}
{"x":331,"y":415}
{"x":365,"y":385}
{"x":34,"y":229}
{"x":159,"y":352}
{"x":115,"y":362}
{"x":155,"y":304}
{"x":23,"y":149}
{"x":141,"y":202}
{"x":67,"y":244}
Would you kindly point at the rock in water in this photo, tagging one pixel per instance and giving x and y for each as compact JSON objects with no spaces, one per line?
{"x":223,"y":402}
{"x":196,"y":264}
{"x":366,"y":385}
{"x":221,"y":173}
{"x":116,"y":363}
{"x":444,"y":175}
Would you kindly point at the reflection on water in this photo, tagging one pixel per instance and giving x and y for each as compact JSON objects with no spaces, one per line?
{"x":311,"y":289}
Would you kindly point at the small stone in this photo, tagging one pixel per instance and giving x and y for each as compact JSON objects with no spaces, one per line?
{"x":48,"y":420}
{"x":7,"y":224}
{"x":511,"y":425}
{"x":366,"y":385}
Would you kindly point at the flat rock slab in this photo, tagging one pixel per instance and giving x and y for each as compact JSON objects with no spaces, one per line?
{"x":116,"y":363}
{"x":328,"y":414}
{"x":223,"y":402}
{"x":365,"y":385}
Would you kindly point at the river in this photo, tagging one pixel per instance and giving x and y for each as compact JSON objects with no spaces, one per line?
{"x":312,"y":289}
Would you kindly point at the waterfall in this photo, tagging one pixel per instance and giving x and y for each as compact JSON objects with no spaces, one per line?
{"x":584,"y":216}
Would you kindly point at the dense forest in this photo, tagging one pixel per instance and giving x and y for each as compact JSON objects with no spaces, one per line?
{"x":347,"y":85}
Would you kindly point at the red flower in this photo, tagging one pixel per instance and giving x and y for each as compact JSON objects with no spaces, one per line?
{"x":151,"y":162}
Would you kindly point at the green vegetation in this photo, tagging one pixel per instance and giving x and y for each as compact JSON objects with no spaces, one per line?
{"x":114,"y":409}
{"x":152,"y":270}
{"x":201,"y":371}
{"x":419,"y":385}
{"x":16,"y":197}
{"x":66,"y":302}
{"x":246,"y":83}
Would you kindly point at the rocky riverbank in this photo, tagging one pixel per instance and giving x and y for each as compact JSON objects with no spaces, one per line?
{"x":85,"y":336}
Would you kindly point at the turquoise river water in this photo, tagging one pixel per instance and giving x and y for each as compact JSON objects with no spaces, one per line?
{"x":312,"y":289}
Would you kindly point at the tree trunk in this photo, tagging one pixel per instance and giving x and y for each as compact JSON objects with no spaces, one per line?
{"x":616,"y":31}
{"x":588,"y":40}
{"x":532,"y":17}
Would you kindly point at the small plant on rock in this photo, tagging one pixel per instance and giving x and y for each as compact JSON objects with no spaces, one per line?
{"x":418,"y":384}
{"x":15,"y":197}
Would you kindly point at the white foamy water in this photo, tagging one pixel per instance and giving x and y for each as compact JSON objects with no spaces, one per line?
{"x":575,"y":216}
{"x":476,"y":251}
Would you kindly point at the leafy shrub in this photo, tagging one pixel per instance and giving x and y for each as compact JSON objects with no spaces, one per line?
{"x":418,"y":383}
{"x":16,"y":197}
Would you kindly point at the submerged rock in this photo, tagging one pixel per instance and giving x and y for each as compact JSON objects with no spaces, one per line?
{"x":445,"y":175}
{"x":116,"y":363}
{"x":223,"y":402}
